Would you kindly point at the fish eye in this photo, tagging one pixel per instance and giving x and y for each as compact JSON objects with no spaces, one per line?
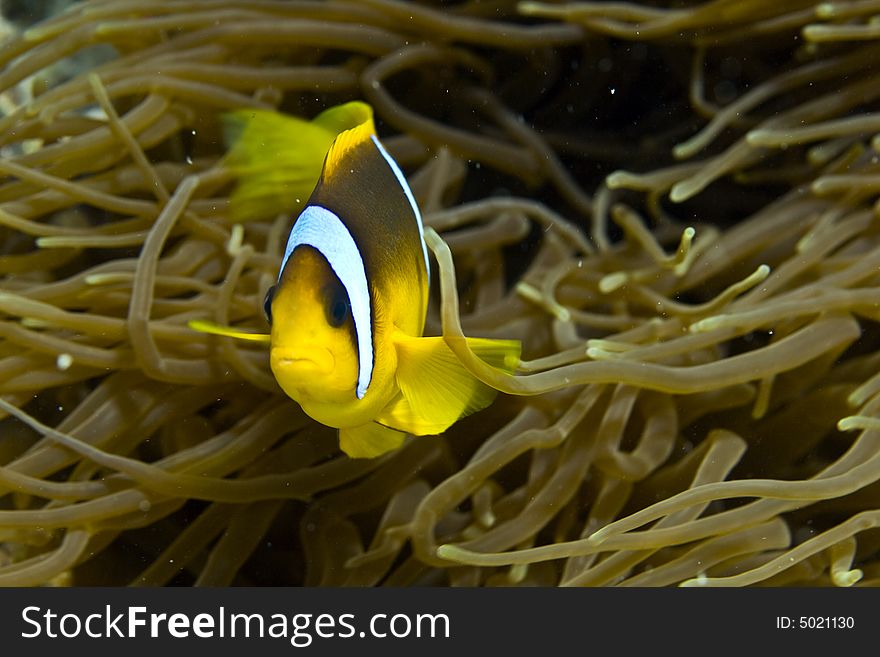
{"x":267,"y":303}
{"x":336,"y":305}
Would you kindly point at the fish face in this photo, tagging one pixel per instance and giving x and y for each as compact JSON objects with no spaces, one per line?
{"x":313,"y":348}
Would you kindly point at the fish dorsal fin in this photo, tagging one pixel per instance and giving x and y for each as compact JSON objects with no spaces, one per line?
{"x":350,"y":139}
{"x":347,"y":116}
{"x":437,"y":389}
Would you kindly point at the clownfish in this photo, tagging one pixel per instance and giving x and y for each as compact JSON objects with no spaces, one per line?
{"x":348,"y":308}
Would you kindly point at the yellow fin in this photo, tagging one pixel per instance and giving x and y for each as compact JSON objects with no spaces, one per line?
{"x":344,"y":117}
{"x":437,"y":389}
{"x":399,"y":414}
{"x":369,"y":440}
{"x":277,"y":158}
{"x":204,"y":326}
{"x":351,"y":138}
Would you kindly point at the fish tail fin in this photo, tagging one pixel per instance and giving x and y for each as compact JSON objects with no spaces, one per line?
{"x":277,"y":158}
{"x":369,"y":440}
{"x":204,"y":326}
{"x":437,"y":390}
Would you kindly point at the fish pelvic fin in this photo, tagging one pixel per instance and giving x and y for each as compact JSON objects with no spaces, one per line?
{"x":204,"y":326}
{"x":277,"y":158}
{"x":436,"y":389}
{"x":369,"y":440}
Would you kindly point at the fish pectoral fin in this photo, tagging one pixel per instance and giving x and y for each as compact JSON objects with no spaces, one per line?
{"x":204,"y":326}
{"x":369,"y":440}
{"x":437,"y":389}
{"x":399,"y":414}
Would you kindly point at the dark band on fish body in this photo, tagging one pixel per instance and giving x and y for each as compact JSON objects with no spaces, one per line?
{"x":366,"y":195}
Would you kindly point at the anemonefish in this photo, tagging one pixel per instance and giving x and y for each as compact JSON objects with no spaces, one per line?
{"x":348,"y":308}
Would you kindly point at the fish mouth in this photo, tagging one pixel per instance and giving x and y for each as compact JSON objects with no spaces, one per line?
{"x":312,"y":360}
{"x":292,"y":360}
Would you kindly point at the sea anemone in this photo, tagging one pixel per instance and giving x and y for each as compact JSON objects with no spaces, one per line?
{"x":673,"y":209}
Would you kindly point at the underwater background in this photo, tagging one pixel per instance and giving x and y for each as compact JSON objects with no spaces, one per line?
{"x":672,"y":205}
